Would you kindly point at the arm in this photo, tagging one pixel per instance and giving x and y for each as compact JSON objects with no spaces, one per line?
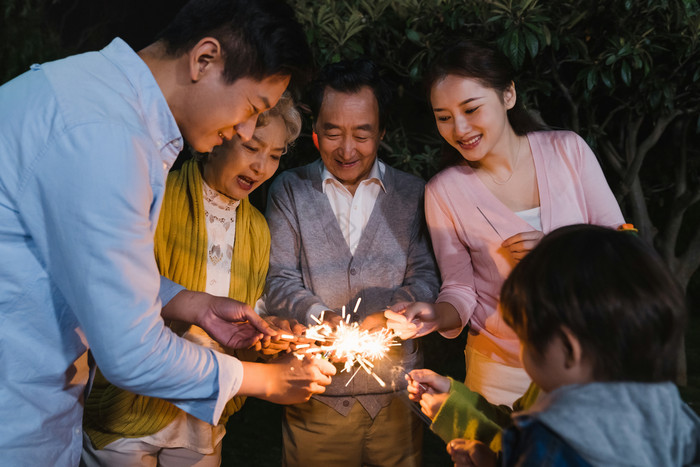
{"x":421,"y":282}
{"x":601,"y":205}
{"x":87,"y":206}
{"x":285,"y":293}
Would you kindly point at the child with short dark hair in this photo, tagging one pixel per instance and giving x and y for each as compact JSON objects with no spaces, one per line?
{"x":600,"y":319}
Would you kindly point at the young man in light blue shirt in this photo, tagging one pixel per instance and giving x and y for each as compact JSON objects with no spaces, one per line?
{"x":85,"y":147}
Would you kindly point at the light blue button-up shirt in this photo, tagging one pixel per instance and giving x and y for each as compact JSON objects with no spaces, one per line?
{"x":85,"y":147}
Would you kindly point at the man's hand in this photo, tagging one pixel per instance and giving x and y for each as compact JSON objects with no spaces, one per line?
{"x":466,"y":453}
{"x":374,"y":322}
{"x":229,"y":322}
{"x":286,"y":380}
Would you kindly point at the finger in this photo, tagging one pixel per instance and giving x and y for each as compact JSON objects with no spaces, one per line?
{"x":258,"y":323}
{"x":394,"y":315}
{"x":398,"y":307}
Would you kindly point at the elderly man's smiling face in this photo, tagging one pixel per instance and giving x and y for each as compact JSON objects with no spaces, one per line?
{"x":348,"y":134}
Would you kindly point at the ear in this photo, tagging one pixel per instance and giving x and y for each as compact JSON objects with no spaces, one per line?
{"x":202,"y":56}
{"x":572,"y":346}
{"x":510,"y":96}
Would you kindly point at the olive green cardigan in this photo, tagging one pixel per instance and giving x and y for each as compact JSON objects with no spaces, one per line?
{"x":181,"y":253}
{"x":467,"y":414}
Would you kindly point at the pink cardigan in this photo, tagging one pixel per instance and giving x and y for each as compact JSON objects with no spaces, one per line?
{"x":473,"y":265}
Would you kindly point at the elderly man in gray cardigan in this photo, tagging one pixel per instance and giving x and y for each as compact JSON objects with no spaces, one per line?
{"x":343,"y":228}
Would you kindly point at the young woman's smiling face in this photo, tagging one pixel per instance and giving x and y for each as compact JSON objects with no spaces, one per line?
{"x":238,"y":167}
{"x":470,"y":117}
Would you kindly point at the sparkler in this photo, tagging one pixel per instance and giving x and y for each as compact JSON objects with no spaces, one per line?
{"x":351,"y":344}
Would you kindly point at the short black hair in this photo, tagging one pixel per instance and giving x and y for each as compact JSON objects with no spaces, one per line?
{"x":350,"y":76}
{"x":611,"y":290}
{"x":260,"y":38}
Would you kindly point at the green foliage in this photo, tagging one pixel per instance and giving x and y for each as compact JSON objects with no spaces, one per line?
{"x":25,"y":37}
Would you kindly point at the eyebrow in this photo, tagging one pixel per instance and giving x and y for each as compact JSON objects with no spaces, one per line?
{"x":465,"y":101}
{"x":332,"y":126}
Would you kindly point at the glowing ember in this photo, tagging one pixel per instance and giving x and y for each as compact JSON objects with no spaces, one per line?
{"x":349,"y":343}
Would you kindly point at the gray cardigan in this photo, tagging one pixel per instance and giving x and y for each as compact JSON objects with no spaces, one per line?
{"x":311,"y":263}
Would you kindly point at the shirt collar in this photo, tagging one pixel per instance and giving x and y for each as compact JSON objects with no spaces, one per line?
{"x":376,"y":175}
{"x":158,"y":118}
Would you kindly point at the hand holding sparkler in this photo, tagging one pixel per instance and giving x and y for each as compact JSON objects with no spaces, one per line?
{"x":374,"y":322}
{"x":289,"y":333}
{"x":428,"y":388}
{"x":286,"y":380}
{"x":410,"y":320}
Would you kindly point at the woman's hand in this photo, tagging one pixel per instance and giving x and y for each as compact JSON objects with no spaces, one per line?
{"x":288,"y":332}
{"x":521,"y":243}
{"x":410,"y":320}
{"x":466,"y":453}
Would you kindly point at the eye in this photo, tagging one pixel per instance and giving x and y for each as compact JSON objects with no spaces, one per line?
{"x":332,"y":135}
{"x":471,"y":111}
{"x":361,"y":139}
{"x":250,"y":148}
{"x":442,"y":118}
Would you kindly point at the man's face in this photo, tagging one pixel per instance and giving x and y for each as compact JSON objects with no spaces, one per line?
{"x":215,"y":111}
{"x":348,"y":134}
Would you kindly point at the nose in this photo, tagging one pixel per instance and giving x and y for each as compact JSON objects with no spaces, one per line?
{"x":257,"y":164}
{"x":246,"y":129}
{"x":348,"y":146}
{"x":462,"y":125}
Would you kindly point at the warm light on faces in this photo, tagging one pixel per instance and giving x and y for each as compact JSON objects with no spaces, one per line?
{"x":216,"y":111}
{"x":472,"y":118}
{"x":238,"y":167}
{"x":349,"y":135}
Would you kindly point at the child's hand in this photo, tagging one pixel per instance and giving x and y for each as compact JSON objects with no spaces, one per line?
{"x":471,"y":453}
{"x":428,"y":388}
{"x":521,"y":243}
{"x":430,"y":403}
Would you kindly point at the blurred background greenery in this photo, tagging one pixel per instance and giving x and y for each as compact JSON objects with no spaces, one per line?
{"x":624,"y":74}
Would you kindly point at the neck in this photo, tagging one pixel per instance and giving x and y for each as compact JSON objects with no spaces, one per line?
{"x":167,"y":71}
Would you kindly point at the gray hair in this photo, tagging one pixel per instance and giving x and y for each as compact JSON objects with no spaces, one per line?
{"x":292,"y":119}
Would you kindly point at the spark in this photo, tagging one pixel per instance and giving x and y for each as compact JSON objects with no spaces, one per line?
{"x":351,"y":344}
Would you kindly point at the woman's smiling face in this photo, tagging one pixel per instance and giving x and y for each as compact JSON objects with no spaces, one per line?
{"x":238,"y":167}
{"x":470,"y":117}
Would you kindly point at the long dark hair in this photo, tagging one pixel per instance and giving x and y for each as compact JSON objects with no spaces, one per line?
{"x":611,"y":290}
{"x":485,"y":63}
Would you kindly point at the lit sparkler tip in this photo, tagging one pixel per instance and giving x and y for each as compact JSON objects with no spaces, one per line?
{"x":357,"y":304}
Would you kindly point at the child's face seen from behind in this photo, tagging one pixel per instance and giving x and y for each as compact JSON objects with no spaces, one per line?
{"x":559,"y":364}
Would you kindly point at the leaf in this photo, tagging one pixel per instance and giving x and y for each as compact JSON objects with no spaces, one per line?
{"x":626,"y":73}
{"x":413,"y":36}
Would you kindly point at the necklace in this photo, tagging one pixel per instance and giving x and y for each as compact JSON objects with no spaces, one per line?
{"x":515,"y":166}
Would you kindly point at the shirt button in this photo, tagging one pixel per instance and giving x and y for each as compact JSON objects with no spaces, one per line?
{"x":353,"y":271}
{"x":346,"y":403}
{"x":165,"y":166}
{"x":77,"y":431}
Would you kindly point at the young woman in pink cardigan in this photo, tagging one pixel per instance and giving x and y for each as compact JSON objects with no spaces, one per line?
{"x":509,"y":183}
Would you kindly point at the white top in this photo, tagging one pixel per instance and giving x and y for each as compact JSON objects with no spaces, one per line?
{"x":532,"y":217}
{"x":186,"y":431}
{"x":352,"y":212}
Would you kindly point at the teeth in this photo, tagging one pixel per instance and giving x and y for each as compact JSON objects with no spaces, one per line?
{"x":472,"y":140}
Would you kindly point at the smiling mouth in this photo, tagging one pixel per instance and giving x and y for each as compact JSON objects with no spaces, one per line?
{"x":470,"y":143}
{"x":245,"y":182}
{"x":346,"y":165}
